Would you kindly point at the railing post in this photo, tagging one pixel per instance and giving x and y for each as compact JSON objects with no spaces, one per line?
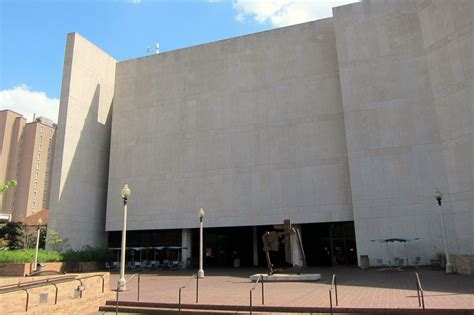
{"x":116,"y":300}
{"x":138,"y":289}
{"x":250,"y":302}
{"x":330,"y":300}
{"x":179,"y":301}
{"x":103,"y":282}
{"x":27,"y":300}
{"x":263,"y":292}
{"x":335,"y":287}
{"x":56,"y":295}
{"x":418,"y":292}
{"x":197,"y":288}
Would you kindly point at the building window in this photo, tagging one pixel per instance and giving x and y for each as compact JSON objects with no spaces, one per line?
{"x":37,"y":166}
{"x":36,"y":184}
{"x":41,"y":129}
{"x":34,"y":194}
{"x":37,"y":175}
{"x":41,"y":138}
{"x":33,"y":204}
{"x":39,"y":148}
{"x":39,"y":155}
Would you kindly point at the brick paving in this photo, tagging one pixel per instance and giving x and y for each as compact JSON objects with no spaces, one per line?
{"x":358,"y":289}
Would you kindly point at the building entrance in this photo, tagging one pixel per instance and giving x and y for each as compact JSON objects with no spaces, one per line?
{"x":223,"y":245}
{"x":329,"y":244}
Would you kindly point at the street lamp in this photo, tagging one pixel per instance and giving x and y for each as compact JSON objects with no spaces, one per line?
{"x":201,"y":215}
{"x":38,"y":229}
{"x":439,"y":198}
{"x":122,"y":283}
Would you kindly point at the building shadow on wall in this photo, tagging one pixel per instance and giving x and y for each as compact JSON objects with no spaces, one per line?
{"x":83,"y":198}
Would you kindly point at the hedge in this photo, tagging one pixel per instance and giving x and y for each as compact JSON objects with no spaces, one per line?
{"x":28,"y":255}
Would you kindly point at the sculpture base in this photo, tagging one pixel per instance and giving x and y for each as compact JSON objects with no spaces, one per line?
{"x":287,"y":277}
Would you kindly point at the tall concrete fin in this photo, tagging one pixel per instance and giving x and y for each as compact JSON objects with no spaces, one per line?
{"x":81,"y":158}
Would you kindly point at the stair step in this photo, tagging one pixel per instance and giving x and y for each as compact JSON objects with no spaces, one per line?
{"x":154,"y":310}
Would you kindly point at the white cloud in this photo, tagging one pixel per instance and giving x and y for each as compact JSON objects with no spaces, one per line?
{"x":136,"y":1}
{"x":285,"y":12}
{"x":26,"y":102}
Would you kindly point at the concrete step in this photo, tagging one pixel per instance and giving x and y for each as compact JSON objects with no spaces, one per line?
{"x":109,"y":309}
{"x":172,"y":308}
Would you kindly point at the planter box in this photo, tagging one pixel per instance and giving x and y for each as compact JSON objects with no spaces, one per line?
{"x":21,"y":270}
{"x":11,"y":269}
{"x":463,"y":264}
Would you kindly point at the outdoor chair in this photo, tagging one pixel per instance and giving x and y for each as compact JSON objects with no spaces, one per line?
{"x":137,"y":266}
{"x":416,"y":262}
{"x":148,"y":265}
{"x":398,"y":261}
{"x":174,"y":265}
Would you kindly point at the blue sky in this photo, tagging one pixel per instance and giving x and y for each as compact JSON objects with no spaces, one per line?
{"x":33,"y":35}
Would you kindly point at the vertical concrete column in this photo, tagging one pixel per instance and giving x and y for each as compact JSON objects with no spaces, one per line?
{"x":185,"y":243}
{"x":255,"y":245}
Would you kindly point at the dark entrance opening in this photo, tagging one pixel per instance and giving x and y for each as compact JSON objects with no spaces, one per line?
{"x":223,"y":245}
{"x":329,"y":244}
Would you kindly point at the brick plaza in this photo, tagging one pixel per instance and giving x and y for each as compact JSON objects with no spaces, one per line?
{"x":359,"y":290}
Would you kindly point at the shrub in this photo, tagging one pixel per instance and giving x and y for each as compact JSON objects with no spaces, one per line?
{"x":88,"y":253}
{"x":28,"y":255}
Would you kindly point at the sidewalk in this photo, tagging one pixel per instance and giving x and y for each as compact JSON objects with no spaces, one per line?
{"x":358,"y":289}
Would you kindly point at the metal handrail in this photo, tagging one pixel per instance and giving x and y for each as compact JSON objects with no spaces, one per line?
{"x":333,"y":286}
{"x":253,"y":288}
{"x":24,"y":286}
{"x":19,"y":289}
{"x":119,"y":287}
{"x":41,"y":281}
{"x":419,"y":289}
{"x":92,"y":276}
{"x":184,"y":286}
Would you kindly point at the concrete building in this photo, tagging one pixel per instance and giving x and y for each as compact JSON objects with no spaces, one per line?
{"x":346,"y":126}
{"x":26,"y":155}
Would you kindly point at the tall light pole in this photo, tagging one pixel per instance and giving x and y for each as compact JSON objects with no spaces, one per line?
{"x":439,"y":198}
{"x":201,"y":270}
{"x":38,"y":230}
{"x":122,"y":283}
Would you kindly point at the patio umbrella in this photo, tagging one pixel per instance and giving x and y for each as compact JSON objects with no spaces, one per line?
{"x":398,"y":240}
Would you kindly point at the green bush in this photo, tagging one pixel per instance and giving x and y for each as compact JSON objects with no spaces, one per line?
{"x":87,"y":253}
{"x":28,"y":255}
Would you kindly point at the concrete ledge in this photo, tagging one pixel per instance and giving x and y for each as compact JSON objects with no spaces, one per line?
{"x":287,"y":277}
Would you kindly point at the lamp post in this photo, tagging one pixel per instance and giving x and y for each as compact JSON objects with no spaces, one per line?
{"x":122,"y":283}
{"x":201,"y":215}
{"x":38,"y":229}
{"x":439,"y":198}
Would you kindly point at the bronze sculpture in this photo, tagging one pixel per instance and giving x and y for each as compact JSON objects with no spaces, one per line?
{"x":271,"y":242}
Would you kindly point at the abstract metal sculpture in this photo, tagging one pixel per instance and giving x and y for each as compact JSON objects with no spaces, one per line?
{"x":271,"y":242}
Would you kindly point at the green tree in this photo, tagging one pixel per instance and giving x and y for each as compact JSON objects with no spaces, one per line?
{"x":17,"y":235}
{"x":10,"y":183}
{"x":55,"y":242}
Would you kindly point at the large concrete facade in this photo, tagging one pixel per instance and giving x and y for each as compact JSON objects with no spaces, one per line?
{"x":354,"y":118}
{"x":406,"y":72}
{"x":249,"y":128}
{"x":80,"y":169}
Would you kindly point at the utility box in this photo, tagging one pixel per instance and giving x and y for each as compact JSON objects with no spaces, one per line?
{"x":364,"y":262}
